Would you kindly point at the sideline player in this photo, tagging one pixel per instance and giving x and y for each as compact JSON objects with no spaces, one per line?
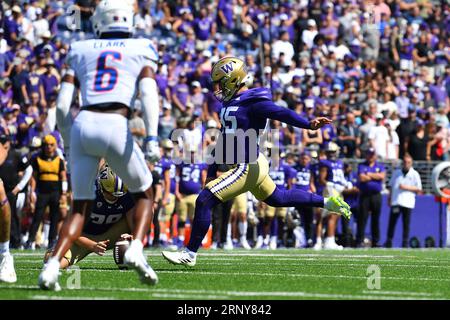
{"x":111,"y":219}
{"x":167,"y":170}
{"x":273,"y":219}
{"x":7,"y":272}
{"x":246,"y":110}
{"x":191,"y":178}
{"x":304,"y":181}
{"x":331,"y":176}
{"x":110,"y":71}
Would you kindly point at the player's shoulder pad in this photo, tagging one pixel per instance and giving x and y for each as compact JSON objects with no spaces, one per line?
{"x":258,"y":94}
{"x":147,"y":49}
{"x":77,"y":46}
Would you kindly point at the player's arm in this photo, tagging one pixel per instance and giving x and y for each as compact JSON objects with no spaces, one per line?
{"x":97,"y":247}
{"x":312,"y":186}
{"x":166,"y":187}
{"x":63,"y":103}
{"x":323,"y":173}
{"x":27,"y":170}
{"x":63,"y":177}
{"x":5,"y":215}
{"x":150,"y":111}
{"x":203,"y":176}
{"x":177,"y":185}
{"x":266,"y":108}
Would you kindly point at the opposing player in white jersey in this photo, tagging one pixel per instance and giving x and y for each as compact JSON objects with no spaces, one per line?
{"x":111,"y":71}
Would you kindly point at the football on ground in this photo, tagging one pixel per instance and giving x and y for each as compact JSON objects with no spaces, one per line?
{"x":119,"y":251}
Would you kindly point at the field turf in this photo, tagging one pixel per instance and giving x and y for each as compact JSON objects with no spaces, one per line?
{"x":256,"y":274}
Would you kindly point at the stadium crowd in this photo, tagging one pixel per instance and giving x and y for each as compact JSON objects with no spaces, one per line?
{"x":379,"y":69}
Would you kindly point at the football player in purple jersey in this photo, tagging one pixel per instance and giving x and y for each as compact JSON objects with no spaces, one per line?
{"x":244,"y":114}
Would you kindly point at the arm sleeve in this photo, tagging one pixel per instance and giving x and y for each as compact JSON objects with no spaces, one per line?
{"x":63,"y":115}
{"x":267,"y":109}
{"x":25,"y":178}
{"x":23,"y":164}
{"x":150,"y":105}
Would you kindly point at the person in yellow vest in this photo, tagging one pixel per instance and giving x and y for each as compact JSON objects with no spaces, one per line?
{"x":49,"y":182}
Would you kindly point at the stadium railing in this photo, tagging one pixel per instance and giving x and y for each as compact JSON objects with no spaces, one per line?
{"x":423,"y":167}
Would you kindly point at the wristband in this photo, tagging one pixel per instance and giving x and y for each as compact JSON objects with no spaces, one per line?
{"x":151,"y":138}
{"x":64,"y":186}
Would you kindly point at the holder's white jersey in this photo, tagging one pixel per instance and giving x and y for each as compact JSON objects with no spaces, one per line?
{"x":108,"y":69}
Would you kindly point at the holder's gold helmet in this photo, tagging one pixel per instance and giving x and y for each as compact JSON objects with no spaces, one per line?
{"x":228,"y":75}
{"x":108,"y":181}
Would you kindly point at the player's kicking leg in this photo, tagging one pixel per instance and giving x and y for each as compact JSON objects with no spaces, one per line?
{"x":7,"y":272}
{"x":234,"y":182}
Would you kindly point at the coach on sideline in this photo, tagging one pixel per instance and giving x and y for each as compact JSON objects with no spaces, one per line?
{"x":404,"y":184}
{"x":371,"y":174}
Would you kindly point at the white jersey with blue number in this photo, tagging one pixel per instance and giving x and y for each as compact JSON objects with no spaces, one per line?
{"x":108,"y":69}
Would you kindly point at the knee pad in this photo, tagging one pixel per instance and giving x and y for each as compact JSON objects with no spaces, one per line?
{"x":181,"y":224}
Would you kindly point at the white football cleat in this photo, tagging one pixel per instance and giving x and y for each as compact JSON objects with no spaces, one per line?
{"x":228,"y":245}
{"x":180,"y":257}
{"x":332,"y":245}
{"x":318,"y":245}
{"x":135,"y":259}
{"x":7,"y":272}
{"x":48,"y":279}
{"x":273,"y":244}
{"x":259,"y":242}
{"x":245,"y":245}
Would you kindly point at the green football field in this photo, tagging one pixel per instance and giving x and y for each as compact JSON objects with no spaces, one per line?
{"x":256,"y":274}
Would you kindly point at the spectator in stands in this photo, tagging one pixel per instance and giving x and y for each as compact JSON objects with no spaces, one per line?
{"x":349,"y":136}
{"x":379,"y":137}
{"x":417,"y":142}
{"x":371,"y":174}
{"x":167,"y":122}
{"x":137,"y":127}
{"x":405,"y":129}
{"x":405,"y":183}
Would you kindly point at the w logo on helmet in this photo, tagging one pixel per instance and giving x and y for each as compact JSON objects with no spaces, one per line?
{"x":227,"y":68}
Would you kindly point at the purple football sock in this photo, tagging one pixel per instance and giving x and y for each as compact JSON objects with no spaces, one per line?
{"x":294,"y":198}
{"x":202,"y":218}
{"x":274,"y":227}
{"x":260,"y":227}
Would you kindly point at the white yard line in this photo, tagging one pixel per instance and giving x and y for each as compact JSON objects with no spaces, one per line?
{"x":217,"y":294}
{"x":410,"y":293}
{"x":43,"y":297}
{"x":246,"y":254}
{"x":233,"y":273}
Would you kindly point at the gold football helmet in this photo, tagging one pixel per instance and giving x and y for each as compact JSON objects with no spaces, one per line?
{"x":166,"y":144}
{"x":108,"y":181}
{"x":228,"y":75}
